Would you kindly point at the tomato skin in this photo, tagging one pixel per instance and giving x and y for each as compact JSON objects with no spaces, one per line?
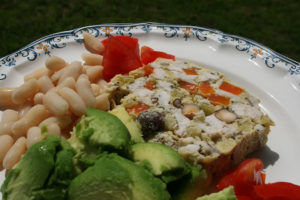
{"x":130,"y":42}
{"x":243,"y":178}
{"x":239,"y":197}
{"x":148,"y":55}
{"x":118,"y":59}
{"x":278,"y":190}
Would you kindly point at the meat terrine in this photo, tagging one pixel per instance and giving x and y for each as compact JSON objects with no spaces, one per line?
{"x":195,"y":110}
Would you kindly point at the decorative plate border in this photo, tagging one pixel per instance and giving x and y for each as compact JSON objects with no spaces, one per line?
{"x":44,"y":45}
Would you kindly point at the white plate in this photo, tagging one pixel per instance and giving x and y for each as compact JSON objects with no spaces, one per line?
{"x":266,"y":74}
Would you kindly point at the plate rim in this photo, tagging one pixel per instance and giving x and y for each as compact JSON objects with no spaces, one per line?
{"x":270,"y":57}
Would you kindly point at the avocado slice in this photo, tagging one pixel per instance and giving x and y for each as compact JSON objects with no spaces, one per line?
{"x":161,"y":160}
{"x":46,"y":166}
{"x":100,"y":129}
{"x":225,"y":194}
{"x":133,"y":127}
{"x":190,"y":186}
{"x":114,"y":177}
{"x":105,"y":130}
{"x":97,"y":132}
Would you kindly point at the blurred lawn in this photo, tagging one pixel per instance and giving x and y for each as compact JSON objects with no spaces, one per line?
{"x":275,"y":23}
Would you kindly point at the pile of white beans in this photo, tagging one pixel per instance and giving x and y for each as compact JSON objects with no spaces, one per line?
{"x":53,"y":97}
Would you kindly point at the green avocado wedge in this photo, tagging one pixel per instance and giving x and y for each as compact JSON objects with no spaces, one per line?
{"x":133,"y":127}
{"x":225,"y":194}
{"x":46,"y":166}
{"x":97,"y":132}
{"x":115,"y":178}
{"x":163,"y":161}
{"x":108,"y":131}
{"x":100,"y":129}
{"x":191,"y":185}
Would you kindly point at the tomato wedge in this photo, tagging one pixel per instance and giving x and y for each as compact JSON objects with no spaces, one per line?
{"x":118,"y":58}
{"x":279,"y":190}
{"x":244,"y":177}
{"x":130,"y":42}
{"x":148,"y":55}
{"x":239,"y":197}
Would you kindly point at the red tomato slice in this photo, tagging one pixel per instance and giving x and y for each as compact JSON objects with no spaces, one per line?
{"x":244,"y":177}
{"x":243,"y":197}
{"x":148,"y":55}
{"x":118,"y":59}
{"x":130,"y":42}
{"x":279,"y":190}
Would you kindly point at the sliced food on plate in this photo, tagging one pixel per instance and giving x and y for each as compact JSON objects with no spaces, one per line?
{"x":135,"y":124}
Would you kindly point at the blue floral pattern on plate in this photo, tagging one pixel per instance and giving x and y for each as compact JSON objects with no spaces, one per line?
{"x":60,"y":40}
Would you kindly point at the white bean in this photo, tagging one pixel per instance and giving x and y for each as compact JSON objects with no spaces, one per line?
{"x":62,"y":121}
{"x":67,"y":82}
{"x":55,"y":103}
{"x":32,"y":118}
{"x":94,"y":72}
{"x":38,"y":98}
{"x":9,"y":115}
{"x":92,"y":59}
{"x":55,"y":63}
{"x":5,"y":128}
{"x":92,"y":44}
{"x":76,"y":104}
{"x":34,"y":135}
{"x":72,"y":70}
{"x":102,"y":83}
{"x":6,"y":97}
{"x":56,"y":76}
{"x":8,"y":118}
{"x":6,"y":142}
{"x":35,"y":74}
{"x":95,"y":89}
{"x":45,"y":84}
{"x":53,"y":129}
{"x":83,"y":87}
{"x":14,"y":154}
{"x":25,"y":91}
{"x":24,"y":108}
{"x":103,"y":102}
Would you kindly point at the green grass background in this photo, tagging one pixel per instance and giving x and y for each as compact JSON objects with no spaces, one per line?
{"x":275,"y":23}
